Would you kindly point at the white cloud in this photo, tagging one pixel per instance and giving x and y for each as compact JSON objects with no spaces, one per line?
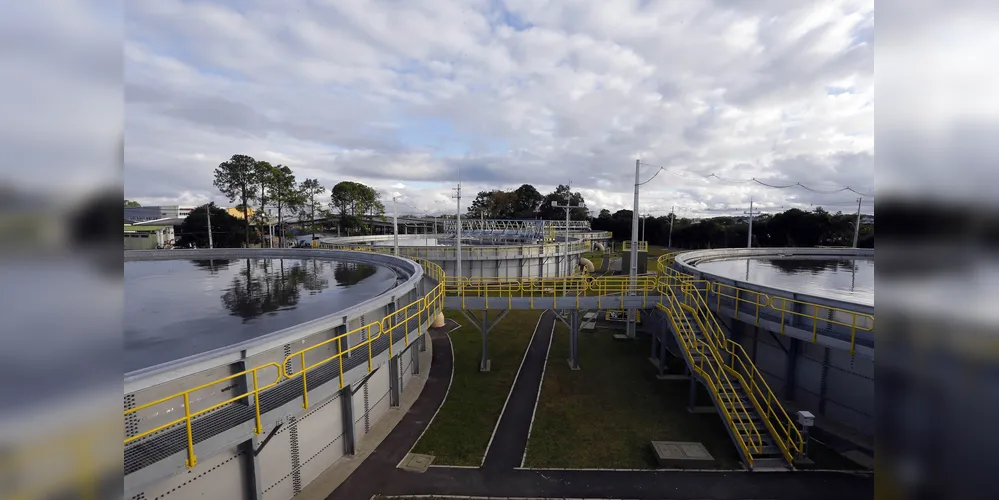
{"x":406,"y":94}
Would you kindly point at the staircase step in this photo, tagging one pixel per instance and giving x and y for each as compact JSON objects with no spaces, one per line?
{"x":770,"y":463}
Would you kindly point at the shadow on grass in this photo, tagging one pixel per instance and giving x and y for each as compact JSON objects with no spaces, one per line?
{"x":461,"y":431}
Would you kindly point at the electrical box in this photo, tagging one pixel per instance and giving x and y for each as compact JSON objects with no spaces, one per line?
{"x":806,"y":419}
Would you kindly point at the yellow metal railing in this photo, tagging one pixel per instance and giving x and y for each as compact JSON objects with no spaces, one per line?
{"x":499,"y":290}
{"x":422,"y":309}
{"x":252,"y":393}
{"x":782,"y":428}
{"x":643,"y":246}
{"x":706,"y":362}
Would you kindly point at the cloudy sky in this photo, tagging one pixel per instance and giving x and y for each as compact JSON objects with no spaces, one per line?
{"x":404,"y":94}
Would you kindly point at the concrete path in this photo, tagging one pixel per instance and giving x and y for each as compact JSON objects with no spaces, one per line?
{"x":498,"y":477}
{"x":509,"y":440}
{"x":371,"y":476}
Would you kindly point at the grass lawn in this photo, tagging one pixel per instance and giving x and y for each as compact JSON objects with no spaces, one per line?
{"x":461,"y":431}
{"x":606,"y":414}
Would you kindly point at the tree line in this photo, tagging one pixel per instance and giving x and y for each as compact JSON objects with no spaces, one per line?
{"x":250,"y":182}
{"x":526,"y":202}
{"x":791,"y":228}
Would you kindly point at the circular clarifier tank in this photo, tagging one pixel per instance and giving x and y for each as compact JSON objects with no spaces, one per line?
{"x":179,"y":308}
{"x":848,"y":279}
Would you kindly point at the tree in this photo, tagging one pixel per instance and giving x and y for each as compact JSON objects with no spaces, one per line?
{"x":310,"y":190}
{"x":227,"y":231}
{"x":496,"y":204}
{"x":526,"y":201}
{"x":604,"y":214}
{"x":131,"y":204}
{"x":285,"y":195}
{"x":353,"y":200}
{"x":236,"y":179}
{"x":263,"y":172}
{"x":561,"y":194}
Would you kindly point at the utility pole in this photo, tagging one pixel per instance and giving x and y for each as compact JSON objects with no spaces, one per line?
{"x":395,"y":227}
{"x":856,"y":226}
{"x":457,"y":196}
{"x":208,"y":213}
{"x":633,"y":271}
{"x":568,"y":208}
{"x":644,"y":216}
{"x":672,"y":216}
{"x":749,"y":242}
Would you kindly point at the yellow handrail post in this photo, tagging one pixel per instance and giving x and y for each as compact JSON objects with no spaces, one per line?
{"x":305,"y":385}
{"x":191,"y":459}
{"x":339,"y":351}
{"x":257,"y":429}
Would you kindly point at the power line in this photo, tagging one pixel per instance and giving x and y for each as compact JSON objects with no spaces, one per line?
{"x":757,"y":181}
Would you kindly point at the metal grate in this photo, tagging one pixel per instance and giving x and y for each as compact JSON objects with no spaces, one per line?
{"x":131,"y":420}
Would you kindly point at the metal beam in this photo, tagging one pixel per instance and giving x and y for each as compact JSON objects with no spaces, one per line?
{"x":347,"y":410}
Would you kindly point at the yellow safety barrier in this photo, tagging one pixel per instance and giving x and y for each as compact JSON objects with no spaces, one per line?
{"x":643,"y":246}
{"x":423,"y":307}
{"x":740,"y":366}
{"x":858,"y":322}
{"x":189,"y":416}
{"x":706,"y":362}
{"x":692,"y":298}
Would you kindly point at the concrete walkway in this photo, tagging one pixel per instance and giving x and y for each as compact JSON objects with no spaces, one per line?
{"x":498,"y":477}
{"x":509,"y":441}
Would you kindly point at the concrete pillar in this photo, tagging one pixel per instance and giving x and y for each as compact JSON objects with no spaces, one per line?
{"x":416,"y":357}
{"x":693,"y":392}
{"x":574,"y":339}
{"x":663,"y":332}
{"x":347,"y":409}
{"x":394,"y":388}
{"x":254,"y":487}
{"x":630,"y":332}
{"x":423,"y":342}
{"x":792,"y":371}
{"x":484,"y":364}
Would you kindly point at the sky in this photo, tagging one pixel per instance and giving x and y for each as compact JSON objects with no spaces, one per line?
{"x":408,"y":95}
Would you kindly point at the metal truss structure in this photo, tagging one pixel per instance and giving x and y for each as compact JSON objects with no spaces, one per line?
{"x":512,"y":230}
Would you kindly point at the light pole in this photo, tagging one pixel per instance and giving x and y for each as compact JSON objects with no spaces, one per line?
{"x":856,"y":225}
{"x":633,"y":271}
{"x":749,"y":242}
{"x":395,"y":226}
{"x":568,"y":208}
{"x":669,"y":243}
{"x":457,"y":196}
{"x":208,"y":213}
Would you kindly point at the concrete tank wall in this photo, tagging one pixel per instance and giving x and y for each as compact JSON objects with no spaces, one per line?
{"x":303,"y":442}
{"x":828,"y":382}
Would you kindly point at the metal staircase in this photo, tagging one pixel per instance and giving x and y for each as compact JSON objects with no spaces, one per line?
{"x":760,"y":428}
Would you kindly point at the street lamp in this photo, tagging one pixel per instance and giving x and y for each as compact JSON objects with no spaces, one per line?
{"x":568,"y":208}
{"x":395,"y":225}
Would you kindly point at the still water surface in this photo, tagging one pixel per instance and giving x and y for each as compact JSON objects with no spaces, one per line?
{"x":176,"y":308}
{"x":842,"y":279}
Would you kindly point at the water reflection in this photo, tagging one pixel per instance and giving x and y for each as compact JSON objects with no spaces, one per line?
{"x":176,"y":308}
{"x":842,"y":279}
{"x":267,"y":286}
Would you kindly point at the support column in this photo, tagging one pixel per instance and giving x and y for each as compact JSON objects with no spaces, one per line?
{"x":347,"y":409}
{"x":663,"y":332}
{"x":416,"y":356}
{"x":393,"y":366}
{"x":692,"y":405}
{"x":251,"y":468}
{"x":630,"y":330}
{"x":574,"y":339}
{"x":484,"y":363}
{"x":423,"y":341}
{"x":791,"y":369}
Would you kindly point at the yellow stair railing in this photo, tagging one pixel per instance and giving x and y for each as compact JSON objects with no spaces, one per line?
{"x":782,"y":428}
{"x":705,"y":362}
